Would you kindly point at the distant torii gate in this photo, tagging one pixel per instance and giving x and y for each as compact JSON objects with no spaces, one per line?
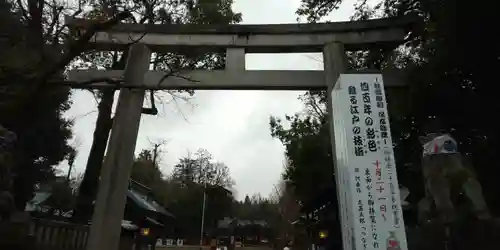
{"x":332,"y":39}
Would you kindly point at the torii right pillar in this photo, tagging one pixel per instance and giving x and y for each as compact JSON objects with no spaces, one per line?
{"x":365,"y":171}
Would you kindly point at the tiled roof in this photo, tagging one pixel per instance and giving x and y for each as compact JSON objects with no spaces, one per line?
{"x":147,"y":203}
{"x":36,"y":201}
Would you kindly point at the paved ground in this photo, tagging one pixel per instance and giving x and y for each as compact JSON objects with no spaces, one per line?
{"x":207,"y":248}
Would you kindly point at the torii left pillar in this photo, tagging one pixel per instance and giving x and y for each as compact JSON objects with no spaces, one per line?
{"x":109,"y":209}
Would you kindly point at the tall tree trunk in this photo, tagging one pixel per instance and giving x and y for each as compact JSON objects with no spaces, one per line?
{"x":155,"y":154}
{"x":90,"y":182}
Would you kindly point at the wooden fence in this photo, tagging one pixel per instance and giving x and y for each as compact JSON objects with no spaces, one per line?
{"x":55,"y":235}
{"x":39,"y":234}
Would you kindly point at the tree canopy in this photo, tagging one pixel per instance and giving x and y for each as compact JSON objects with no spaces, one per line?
{"x":181,"y":192}
{"x":27,"y":45}
{"x":145,"y":170}
{"x":448,"y":60}
{"x":199,"y":169}
{"x":151,"y":12}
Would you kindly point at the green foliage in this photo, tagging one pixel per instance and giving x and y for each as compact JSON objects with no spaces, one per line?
{"x":42,"y":132}
{"x":307,"y":148}
{"x":153,"y":12}
{"x":270,"y":217}
{"x":62,"y":197}
{"x":145,"y":170}
{"x":200,"y":169}
{"x":212,"y":12}
{"x":192,"y":175}
{"x":182,"y":191}
{"x":255,"y":208}
{"x":449,"y":78}
{"x":313,"y":10}
{"x":261,"y":216}
{"x":452,"y":81}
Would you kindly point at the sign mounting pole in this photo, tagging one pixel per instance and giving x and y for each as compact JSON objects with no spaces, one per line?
{"x":335,"y":63}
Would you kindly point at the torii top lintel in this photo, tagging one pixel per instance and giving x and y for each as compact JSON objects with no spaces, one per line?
{"x":268,"y":38}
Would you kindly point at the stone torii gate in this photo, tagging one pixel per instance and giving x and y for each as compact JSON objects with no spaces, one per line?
{"x":332,"y":39}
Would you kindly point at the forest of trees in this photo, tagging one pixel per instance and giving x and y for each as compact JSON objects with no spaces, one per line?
{"x":37,"y":47}
{"x":181,"y":192}
{"x":449,"y":78}
{"x":449,"y":62}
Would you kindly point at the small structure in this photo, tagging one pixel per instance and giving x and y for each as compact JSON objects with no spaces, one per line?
{"x":42,"y":204}
{"x":153,"y":220}
{"x":144,"y":219}
{"x":38,"y":202}
{"x":230,"y":231}
{"x":320,"y":215}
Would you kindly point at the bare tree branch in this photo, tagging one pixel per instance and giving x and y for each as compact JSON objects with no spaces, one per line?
{"x":56,"y":12}
{"x":84,"y":114}
{"x":180,"y":110}
{"x":75,"y":47}
{"x":134,"y":41}
{"x":23,"y":10}
{"x":186,"y":78}
{"x":170,"y":73}
{"x":91,"y":84}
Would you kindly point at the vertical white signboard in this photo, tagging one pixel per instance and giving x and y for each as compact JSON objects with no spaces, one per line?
{"x":369,"y":192}
{"x":342,"y":176}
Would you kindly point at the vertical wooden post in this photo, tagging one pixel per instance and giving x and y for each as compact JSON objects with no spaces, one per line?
{"x":235,"y":59}
{"x":334,"y":63}
{"x":108,"y":213}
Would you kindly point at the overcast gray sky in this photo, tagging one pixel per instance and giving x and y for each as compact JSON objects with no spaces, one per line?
{"x":231,"y":125}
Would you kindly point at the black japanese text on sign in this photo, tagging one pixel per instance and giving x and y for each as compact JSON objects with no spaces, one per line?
{"x":355,"y":120}
{"x":379,"y":98}
{"x":388,"y":160}
{"x":372,"y":214}
{"x":382,"y":199}
{"x":392,"y":188}
{"x":369,"y":123}
{"x":361,"y":208}
{"x":380,"y":190}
